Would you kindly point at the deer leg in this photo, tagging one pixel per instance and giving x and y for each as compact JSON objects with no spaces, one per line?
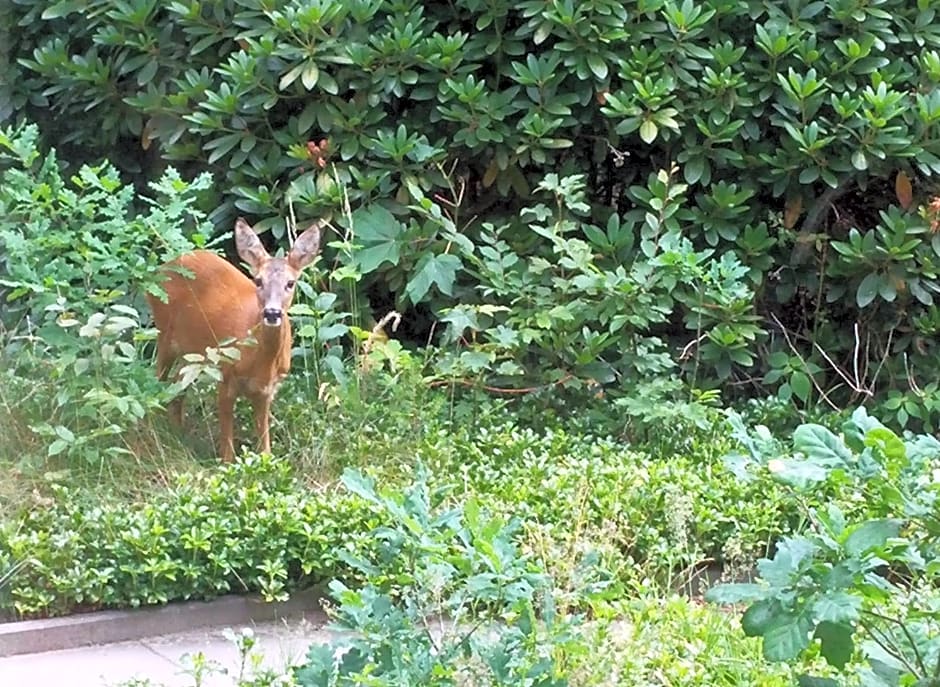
{"x":227,"y":422}
{"x":262,"y":407}
{"x":165,"y":361}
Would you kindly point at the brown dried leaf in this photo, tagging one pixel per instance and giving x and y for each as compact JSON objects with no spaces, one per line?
{"x":903,"y":189}
{"x":792,"y":211}
{"x":489,"y":176}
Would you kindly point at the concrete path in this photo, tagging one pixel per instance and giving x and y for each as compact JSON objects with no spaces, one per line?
{"x":162,"y":660}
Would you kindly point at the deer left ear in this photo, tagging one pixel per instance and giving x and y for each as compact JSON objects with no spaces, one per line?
{"x":306,"y":247}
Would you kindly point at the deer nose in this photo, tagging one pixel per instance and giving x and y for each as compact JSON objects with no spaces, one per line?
{"x":272,"y":316}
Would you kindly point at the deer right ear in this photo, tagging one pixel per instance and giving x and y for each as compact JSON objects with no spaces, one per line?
{"x":249,"y":245}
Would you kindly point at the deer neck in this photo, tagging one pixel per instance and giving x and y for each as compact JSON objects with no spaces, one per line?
{"x":273,"y":340}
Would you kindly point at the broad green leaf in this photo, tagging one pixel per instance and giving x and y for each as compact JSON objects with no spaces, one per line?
{"x":290,"y":77}
{"x":760,"y":616}
{"x":800,"y":474}
{"x":371,"y":258}
{"x":870,"y":534}
{"x":332,"y":331}
{"x":859,"y":161}
{"x":360,"y":484}
{"x":318,"y":668}
{"x":357,"y":562}
{"x":786,"y":638}
{"x":377,"y":230}
{"x":736,"y":592}
{"x":438,"y":270}
{"x":62,"y":9}
{"x":836,"y":640}
{"x":787,"y":561}
{"x":56,"y":447}
{"x":64,"y":433}
{"x":889,"y":442}
{"x":821,"y":446}
{"x":310,"y":75}
{"x":598,"y":66}
{"x":801,"y":385}
{"x":837,"y":607}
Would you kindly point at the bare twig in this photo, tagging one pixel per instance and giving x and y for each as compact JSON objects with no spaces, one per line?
{"x":500,"y":390}
{"x":786,"y":335}
{"x":687,"y":349}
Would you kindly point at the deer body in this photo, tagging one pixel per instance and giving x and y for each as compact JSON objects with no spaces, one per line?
{"x":210,"y":301}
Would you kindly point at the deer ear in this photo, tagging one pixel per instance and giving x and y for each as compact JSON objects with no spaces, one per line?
{"x":249,"y":245}
{"x":306,"y":247}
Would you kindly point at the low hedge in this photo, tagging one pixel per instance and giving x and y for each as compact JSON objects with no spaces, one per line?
{"x":245,"y":527}
{"x":254,"y":527}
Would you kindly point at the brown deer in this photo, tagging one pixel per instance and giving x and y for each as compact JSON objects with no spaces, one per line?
{"x":209,"y":300}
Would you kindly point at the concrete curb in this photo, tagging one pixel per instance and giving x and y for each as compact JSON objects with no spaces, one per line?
{"x":102,"y":627}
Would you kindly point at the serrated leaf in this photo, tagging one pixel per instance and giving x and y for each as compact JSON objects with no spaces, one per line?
{"x":837,"y":607}
{"x":377,"y":230}
{"x":786,"y":638}
{"x":821,"y":446}
{"x":870,"y":534}
{"x":433,"y":270}
{"x":836,"y":642}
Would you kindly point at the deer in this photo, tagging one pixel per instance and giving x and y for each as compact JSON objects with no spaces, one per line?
{"x":209,"y":301}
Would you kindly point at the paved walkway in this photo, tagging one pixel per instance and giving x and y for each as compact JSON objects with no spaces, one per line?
{"x":161,"y":660}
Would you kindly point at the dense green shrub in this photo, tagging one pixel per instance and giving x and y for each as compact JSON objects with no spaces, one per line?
{"x":805,"y":132}
{"x":76,"y":255}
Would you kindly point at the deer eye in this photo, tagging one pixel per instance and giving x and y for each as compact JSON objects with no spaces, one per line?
{"x":258,"y":281}
{"x":290,"y":284}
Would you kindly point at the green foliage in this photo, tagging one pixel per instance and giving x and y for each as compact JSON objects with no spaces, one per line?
{"x":652,"y":515}
{"x":253,"y":526}
{"x":459,"y":565}
{"x":586,"y":307}
{"x":850,"y":577}
{"x":74,"y":254}
{"x":247,"y":527}
{"x":804,"y":137}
